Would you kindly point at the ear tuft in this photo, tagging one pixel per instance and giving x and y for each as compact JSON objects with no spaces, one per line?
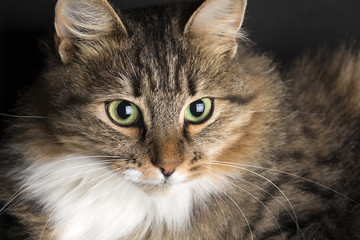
{"x":84,"y":20}
{"x":218,"y":21}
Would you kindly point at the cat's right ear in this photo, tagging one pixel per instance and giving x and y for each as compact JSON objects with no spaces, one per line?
{"x":216,"y":24}
{"x":78,"y":22}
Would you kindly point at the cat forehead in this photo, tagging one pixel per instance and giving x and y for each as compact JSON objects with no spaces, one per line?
{"x":156,"y":60}
{"x":155,"y":67}
{"x":168,"y":75}
{"x":159,"y":57}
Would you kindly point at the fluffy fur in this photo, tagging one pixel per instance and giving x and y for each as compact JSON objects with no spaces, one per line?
{"x":277,"y":157}
{"x":86,"y":200}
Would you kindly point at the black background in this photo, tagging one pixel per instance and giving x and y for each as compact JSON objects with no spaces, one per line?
{"x":285,"y":28}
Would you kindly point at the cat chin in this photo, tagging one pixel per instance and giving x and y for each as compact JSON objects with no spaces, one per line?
{"x":158,"y":186}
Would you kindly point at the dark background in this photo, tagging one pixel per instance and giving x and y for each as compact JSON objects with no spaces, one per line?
{"x":285,"y":28}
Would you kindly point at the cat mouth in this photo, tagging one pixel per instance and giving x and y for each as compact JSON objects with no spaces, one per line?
{"x":160,"y":181}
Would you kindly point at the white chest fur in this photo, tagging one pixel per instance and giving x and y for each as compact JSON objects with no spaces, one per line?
{"x":86,"y":200}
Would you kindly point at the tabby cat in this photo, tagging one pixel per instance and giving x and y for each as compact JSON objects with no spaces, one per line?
{"x":161,"y":123}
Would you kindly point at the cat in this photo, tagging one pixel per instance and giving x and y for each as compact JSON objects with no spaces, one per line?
{"x":163,"y":123}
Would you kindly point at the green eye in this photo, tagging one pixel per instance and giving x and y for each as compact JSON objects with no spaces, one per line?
{"x":199,"y":111}
{"x":123,"y":113}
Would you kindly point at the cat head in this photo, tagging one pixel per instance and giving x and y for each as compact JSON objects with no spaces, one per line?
{"x":168,"y":99}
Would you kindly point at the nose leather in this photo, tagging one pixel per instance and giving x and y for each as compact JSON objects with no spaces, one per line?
{"x":167,"y":168}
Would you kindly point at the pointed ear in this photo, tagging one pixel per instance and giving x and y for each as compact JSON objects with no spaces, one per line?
{"x":79,"y":21}
{"x":218,"y":22}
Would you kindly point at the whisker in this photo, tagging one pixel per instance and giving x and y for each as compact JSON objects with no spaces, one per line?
{"x":227,"y":206}
{"x":293,"y":215}
{"x":65,"y":160}
{"x":46,"y":224}
{"x":112,"y":171}
{"x":221,"y":209}
{"x":289,"y":174}
{"x":75,"y":189}
{"x":273,"y":184}
{"x":284,"y":111}
{"x":20,"y":116}
{"x":252,"y":195}
{"x":269,"y":181}
{"x":37,"y":190}
{"x":241,"y":211}
{"x":23,"y":189}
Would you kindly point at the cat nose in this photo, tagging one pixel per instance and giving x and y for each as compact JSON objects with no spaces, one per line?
{"x":167,"y":169}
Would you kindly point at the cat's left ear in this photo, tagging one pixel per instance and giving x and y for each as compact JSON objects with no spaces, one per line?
{"x":218,"y":22}
{"x":78,"y":22}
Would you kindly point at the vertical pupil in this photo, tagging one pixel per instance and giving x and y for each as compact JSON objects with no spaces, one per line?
{"x":124,"y":110}
{"x":197,"y":108}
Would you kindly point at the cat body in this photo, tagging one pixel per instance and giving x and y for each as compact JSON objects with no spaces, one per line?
{"x":159,"y":124}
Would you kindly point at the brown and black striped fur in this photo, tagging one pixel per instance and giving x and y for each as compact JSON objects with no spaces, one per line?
{"x":287,"y":143}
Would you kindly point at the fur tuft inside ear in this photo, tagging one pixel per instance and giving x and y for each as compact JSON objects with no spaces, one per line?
{"x":218,"y":21}
{"x":84,"y":20}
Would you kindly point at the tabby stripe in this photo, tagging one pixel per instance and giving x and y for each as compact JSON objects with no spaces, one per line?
{"x":191,"y":85}
{"x":273,"y":192}
{"x":143,"y":130}
{"x":240,"y":100}
{"x":75,"y":100}
{"x":320,"y":192}
{"x":177,"y":73}
{"x":136,"y":85}
{"x":186,"y":133}
{"x":152,"y":84}
{"x":276,"y":234}
{"x":290,"y":227}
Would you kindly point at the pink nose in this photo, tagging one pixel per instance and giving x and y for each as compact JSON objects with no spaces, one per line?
{"x":168,"y":168}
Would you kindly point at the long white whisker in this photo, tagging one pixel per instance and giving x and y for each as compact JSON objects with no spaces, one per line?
{"x":44,"y":179}
{"x":20,"y":116}
{"x":252,"y":195}
{"x":18,"y":192}
{"x":289,"y":174}
{"x":241,"y":211}
{"x":45,"y":169}
{"x":269,"y":181}
{"x":79,"y":186}
{"x":27,"y":184}
{"x":227,"y":206}
{"x":293,"y":217}
{"x":283,"y":111}
{"x":24,"y":187}
{"x":222,"y":211}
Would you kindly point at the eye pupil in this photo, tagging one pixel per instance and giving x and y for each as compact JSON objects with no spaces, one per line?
{"x":123,"y":113}
{"x":199,"y":111}
{"x":197,"y":108}
{"x":124,"y":110}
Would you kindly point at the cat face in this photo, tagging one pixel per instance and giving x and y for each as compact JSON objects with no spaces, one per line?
{"x":152,"y":98}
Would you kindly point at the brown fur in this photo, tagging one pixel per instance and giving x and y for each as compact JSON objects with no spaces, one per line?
{"x":297,"y":131}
